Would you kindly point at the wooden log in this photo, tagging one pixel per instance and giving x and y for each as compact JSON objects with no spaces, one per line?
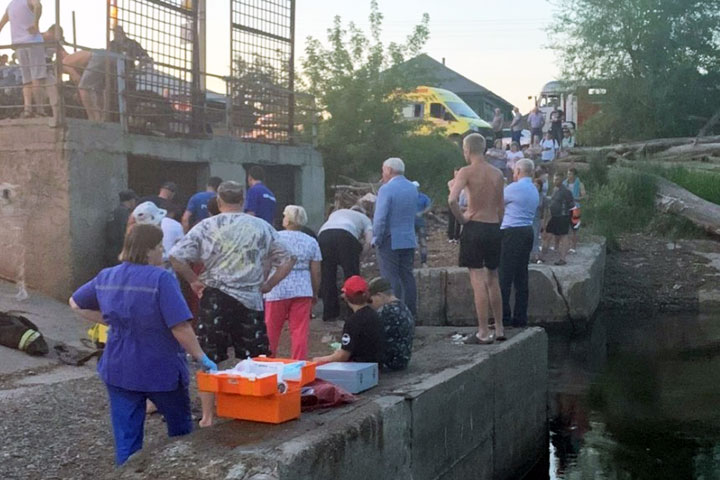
{"x":672,"y":198}
{"x":646,"y":147}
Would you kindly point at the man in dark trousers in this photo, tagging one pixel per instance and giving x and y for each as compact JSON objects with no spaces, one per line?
{"x":521,"y":202}
{"x":116,"y":225}
{"x":394,"y":231}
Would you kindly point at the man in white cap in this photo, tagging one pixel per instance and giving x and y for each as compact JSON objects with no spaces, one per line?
{"x":394,"y":231}
{"x":148,"y":212}
{"x":235,"y":248}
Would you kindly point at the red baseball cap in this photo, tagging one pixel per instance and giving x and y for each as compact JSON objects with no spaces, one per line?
{"x":355,"y":285}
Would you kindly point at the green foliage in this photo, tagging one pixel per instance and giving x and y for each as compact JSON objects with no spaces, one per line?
{"x":658,"y":59}
{"x":350,"y":78}
{"x":430,"y":159}
{"x":597,"y":175}
{"x":626,"y":203}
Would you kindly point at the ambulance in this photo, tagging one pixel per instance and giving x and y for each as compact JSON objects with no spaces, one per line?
{"x":438,"y":108}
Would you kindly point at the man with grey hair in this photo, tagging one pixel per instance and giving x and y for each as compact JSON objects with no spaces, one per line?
{"x":481,"y":238}
{"x":521,"y":202}
{"x":234,"y":247}
{"x":394,"y":231}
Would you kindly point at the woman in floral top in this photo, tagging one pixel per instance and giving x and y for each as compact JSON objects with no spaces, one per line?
{"x":292,"y":299}
{"x":398,"y":323}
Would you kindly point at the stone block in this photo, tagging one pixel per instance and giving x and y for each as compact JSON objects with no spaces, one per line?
{"x":450,"y":418}
{"x":520,"y":403}
{"x":580,"y":282}
{"x":431,"y":287}
{"x":460,"y":304}
{"x":545,"y":304}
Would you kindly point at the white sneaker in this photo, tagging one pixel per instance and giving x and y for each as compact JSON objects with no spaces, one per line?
{"x":572,"y":250}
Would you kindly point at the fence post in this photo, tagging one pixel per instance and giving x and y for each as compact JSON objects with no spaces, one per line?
{"x":122,"y":100}
{"x":60,"y":107}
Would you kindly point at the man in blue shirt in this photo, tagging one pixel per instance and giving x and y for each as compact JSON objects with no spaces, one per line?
{"x":394,"y":231}
{"x":197,"y":207}
{"x":521,"y":202}
{"x":259,"y":201}
{"x":423,"y":207}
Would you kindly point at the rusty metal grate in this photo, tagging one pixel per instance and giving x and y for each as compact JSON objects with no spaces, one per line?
{"x":262,"y":69}
{"x":162,"y":76}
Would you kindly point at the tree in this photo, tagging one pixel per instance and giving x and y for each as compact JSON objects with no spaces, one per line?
{"x":659,"y":59}
{"x":354,"y":88}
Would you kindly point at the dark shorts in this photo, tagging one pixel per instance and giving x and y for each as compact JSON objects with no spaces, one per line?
{"x":480,"y":245}
{"x":537,"y":131}
{"x":223,"y":322}
{"x":558,"y":225}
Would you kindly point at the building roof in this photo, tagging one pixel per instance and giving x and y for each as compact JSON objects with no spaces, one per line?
{"x":443,"y":77}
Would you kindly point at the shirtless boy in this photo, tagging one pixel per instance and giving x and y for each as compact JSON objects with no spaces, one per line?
{"x":481,"y":238}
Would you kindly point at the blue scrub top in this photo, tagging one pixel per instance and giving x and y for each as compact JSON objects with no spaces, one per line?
{"x":198,"y":206}
{"x":140,"y":303}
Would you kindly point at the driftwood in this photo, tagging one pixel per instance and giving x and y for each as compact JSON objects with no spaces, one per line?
{"x":648,"y":147}
{"x":706,"y":128}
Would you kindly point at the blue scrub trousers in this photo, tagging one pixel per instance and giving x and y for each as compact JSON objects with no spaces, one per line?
{"x":127,"y":413}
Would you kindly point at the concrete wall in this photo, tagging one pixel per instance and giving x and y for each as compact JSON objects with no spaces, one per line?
{"x":460,"y":412}
{"x":35,"y":220}
{"x":557,"y":293}
{"x":68,"y":180}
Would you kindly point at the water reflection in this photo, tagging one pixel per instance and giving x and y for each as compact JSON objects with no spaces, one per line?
{"x":635,"y":399}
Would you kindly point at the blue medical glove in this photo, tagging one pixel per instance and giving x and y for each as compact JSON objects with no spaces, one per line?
{"x":207,"y":364}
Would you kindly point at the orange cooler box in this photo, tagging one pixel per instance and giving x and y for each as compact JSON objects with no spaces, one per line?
{"x":237,"y":385}
{"x":277,"y":408}
{"x":307,"y":372}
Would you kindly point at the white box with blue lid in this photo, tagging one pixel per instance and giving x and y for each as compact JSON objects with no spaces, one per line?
{"x":355,"y":377}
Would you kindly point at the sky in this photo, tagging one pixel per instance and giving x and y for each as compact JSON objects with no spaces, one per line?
{"x":499,"y":44}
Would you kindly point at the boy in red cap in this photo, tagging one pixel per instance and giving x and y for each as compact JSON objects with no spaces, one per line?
{"x":363,"y":334}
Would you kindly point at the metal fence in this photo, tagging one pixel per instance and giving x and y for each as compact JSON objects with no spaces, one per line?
{"x":262,"y":68}
{"x":149,"y":77}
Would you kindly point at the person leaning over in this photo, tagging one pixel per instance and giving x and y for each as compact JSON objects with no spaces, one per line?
{"x":292,"y":299}
{"x":394,"y":231}
{"x":235,"y":249}
{"x":343,"y":238}
{"x":363,"y":334}
{"x":521,"y":203}
{"x":398,"y":324}
{"x":144,"y":357}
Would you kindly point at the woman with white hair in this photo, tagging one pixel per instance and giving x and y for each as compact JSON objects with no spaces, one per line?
{"x":292,"y":299}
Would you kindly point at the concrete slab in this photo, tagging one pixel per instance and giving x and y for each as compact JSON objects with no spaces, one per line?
{"x":436,"y":420}
{"x":55,"y":320}
{"x":431,"y":287}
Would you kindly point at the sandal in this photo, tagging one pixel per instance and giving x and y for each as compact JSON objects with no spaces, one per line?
{"x":26,"y":114}
{"x":475,"y":340}
{"x":501,"y":338}
{"x":560,"y":262}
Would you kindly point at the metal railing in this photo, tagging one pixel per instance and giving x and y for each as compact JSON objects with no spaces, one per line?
{"x":148,"y":79}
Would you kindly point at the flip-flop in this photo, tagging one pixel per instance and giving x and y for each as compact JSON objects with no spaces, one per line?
{"x":474,"y":340}
{"x":500,"y":338}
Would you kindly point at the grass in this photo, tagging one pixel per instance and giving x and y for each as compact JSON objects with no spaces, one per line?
{"x":705,"y":185}
{"x":619,"y":201}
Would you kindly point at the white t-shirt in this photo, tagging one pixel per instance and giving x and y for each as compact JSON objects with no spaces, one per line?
{"x":172,"y":233}
{"x":513,"y":157}
{"x":298,"y":283}
{"x":548,"y":155}
{"x":349,"y":220}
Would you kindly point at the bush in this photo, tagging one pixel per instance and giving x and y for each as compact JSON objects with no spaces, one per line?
{"x":430,"y":159}
{"x":626,"y":203}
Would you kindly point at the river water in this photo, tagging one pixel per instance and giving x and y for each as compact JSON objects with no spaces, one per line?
{"x":634,"y":399}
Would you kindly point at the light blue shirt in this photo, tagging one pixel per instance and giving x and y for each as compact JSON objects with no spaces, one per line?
{"x":521,"y":203}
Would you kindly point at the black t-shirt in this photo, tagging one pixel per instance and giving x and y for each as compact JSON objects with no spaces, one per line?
{"x":561,"y":202}
{"x":363,"y":336}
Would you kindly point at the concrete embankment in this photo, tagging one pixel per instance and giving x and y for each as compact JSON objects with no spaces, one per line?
{"x":459,"y":412}
{"x":557,"y":293}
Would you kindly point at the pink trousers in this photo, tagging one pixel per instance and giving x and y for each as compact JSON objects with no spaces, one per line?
{"x":296,"y":311}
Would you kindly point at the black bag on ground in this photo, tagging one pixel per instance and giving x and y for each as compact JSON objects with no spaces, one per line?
{"x":20,"y":333}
